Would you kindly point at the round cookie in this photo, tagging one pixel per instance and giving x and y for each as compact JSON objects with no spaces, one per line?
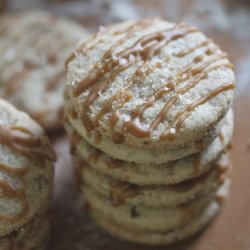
{"x":143,"y":217}
{"x":148,"y":84}
{"x":33,"y":48}
{"x":153,"y":195}
{"x":147,"y":174}
{"x":154,"y":156}
{"x":190,"y":228}
{"x":26,"y":168}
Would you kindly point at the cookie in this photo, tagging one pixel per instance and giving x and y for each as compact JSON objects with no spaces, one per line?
{"x":33,"y":48}
{"x":145,"y":236}
{"x":149,"y":85}
{"x":154,"y":156}
{"x":150,"y":174}
{"x":26,"y":169}
{"x":119,"y":192}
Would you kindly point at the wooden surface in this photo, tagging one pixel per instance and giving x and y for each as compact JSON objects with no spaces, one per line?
{"x":228,"y":23}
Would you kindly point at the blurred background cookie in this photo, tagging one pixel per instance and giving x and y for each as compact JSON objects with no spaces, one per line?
{"x":33,"y":49}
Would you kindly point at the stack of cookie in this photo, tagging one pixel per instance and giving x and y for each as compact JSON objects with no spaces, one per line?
{"x":26,"y":181}
{"x":148,"y":111}
{"x":33,"y":48}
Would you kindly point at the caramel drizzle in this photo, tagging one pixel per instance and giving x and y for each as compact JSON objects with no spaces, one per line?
{"x":16,"y":81}
{"x":55,"y":81}
{"x":146,"y":48}
{"x":72,"y":113}
{"x":18,"y":78}
{"x":192,"y":49}
{"x":9,"y":191}
{"x":121,"y":191}
{"x":120,"y":97}
{"x":181,"y":116}
{"x":94,"y":155}
{"x":83,"y":48}
{"x":22,"y":144}
{"x":134,"y":126}
{"x":108,"y":63}
{"x":86,"y":45}
{"x":114,"y":163}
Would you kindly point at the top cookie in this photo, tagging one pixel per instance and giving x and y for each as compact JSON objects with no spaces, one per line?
{"x":26,"y":169}
{"x":33,"y":48}
{"x":149,"y":83}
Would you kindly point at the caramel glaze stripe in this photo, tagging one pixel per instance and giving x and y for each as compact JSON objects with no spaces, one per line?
{"x":134,"y":125}
{"x":92,"y":78}
{"x":75,"y":138}
{"x":150,"y":52}
{"x":55,"y":81}
{"x":94,"y":154}
{"x":108,"y":105}
{"x":114,"y":163}
{"x":121,"y":97}
{"x":118,"y":137}
{"x":16,"y":81}
{"x":192,"y":49}
{"x":142,"y":22}
{"x":181,"y":116}
{"x":17,"y":35}
{"x":18,"y":171}
{"x":94,"y":92}
{"x":121,"y":191}
{"x":22,"y":144}
{"x":191,"y":70}
{"x":9,"y":191}
{"x":106,"y":63}
{"x":151,"y":100}
{"x":85,"y":46}
{"x":19,"y":78}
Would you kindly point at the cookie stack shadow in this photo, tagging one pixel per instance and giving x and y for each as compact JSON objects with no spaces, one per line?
{"x":152,"y":187}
